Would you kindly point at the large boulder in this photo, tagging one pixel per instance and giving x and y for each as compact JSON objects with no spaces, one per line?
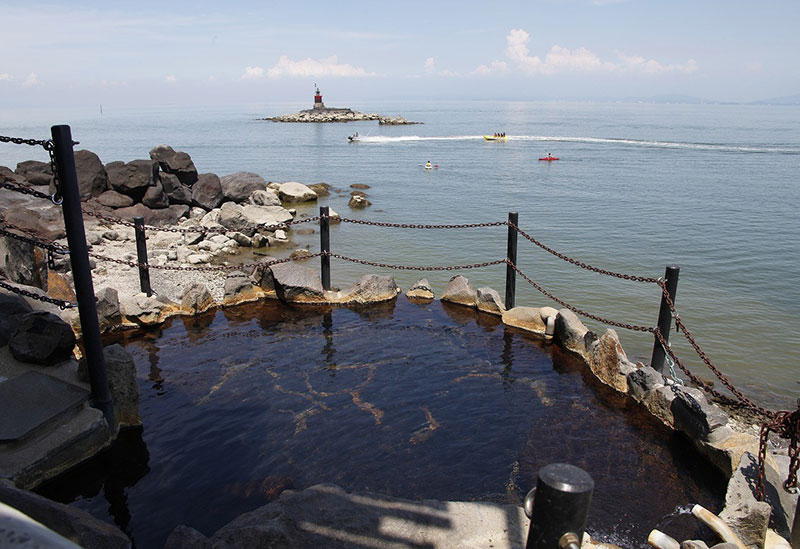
{"x":108,"y":311}
{"x":132,"y":178}
{"x":92,"y":176}
{"x":42,"y":338}
{"x":197,"y":299}
{"x":296,"y":283}
{"x":113,"y":199}
{"x":155,"y":197}
{"x":207,"y":192}
{"x":608,"y":361}
{"x":121,"y":376}
{"x":250,"y":218}
{"x":239,"y":289}
{"x":47,"y":224}
{"x":698,"y":418}
{"x":370,"y":288}
{"x":240,"y":185}
{"x":421,"y":289}
{"x":570,"y":331}
{"x":489,"y":301}
{"x":264,"y":198}
{"x":460,"y":291}
{"x":12,"y":307}
{"x":145,"y":310}
{"x":35,"y":172}
{"x":176,"y":192}
{"x":261,"y":276}
{"x":525,"y":318}
{"x":748,"y":517}
{"x":294,"y":192}
{"x":164,"y":216}
{"x":175,"y":162}
{"x":23,"y":262}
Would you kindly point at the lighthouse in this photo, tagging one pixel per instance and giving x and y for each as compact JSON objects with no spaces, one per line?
{"x":318,"y":104}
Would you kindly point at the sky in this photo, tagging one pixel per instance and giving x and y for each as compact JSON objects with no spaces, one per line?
{"x":158,"y":53}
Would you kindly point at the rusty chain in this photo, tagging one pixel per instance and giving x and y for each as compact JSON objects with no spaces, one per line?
{"x":581,"y":264}
{"x":576,"y":310}
{"x":413,"y":267}
{"x":419,"y":226}
{"x":58,"y":302}
{"x":49,"y":146}
{"x":214,"y":268}
{"x":49,"y":246}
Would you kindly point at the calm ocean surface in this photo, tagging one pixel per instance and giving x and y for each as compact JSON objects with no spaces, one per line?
{"x":711,"y":188}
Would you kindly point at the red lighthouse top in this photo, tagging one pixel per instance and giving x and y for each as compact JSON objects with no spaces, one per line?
{"x":318,"y":96}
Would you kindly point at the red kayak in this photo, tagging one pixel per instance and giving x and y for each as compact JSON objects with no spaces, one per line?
{"x":549,"y":158}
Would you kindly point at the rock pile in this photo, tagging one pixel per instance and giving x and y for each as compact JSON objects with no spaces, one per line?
{"x":339,"y":115}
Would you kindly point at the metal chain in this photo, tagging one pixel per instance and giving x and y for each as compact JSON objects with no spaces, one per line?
{"x":50,"y":247}
{"x":49,"y":146}
{"x":11,"y":186}
{"x":413,"y":267}
{"x":574,"y":309}
{"x":21,"y":141}
{"x":418,"y":226}
{"x":581,"y":264}
{"x":214,"y":268}
{"x":58,"y":302}
{"x":786,"y":425}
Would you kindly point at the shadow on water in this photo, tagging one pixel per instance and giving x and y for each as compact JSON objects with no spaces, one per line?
{"x":419,"y":401}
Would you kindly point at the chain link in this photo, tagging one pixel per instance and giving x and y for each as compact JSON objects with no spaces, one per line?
{"x":49,"y":246}
{"x":581,"y":264}
{"x":786,"y":425}
{"x":11,"y":186}
{"x":574,"y":309}
{"x":58,"y":302}
{"x":49,"y":146}
{"x":21,"y":141}
{"x":413,"y":267}
{"x":418,"y":226}
{"x":213,"y":268}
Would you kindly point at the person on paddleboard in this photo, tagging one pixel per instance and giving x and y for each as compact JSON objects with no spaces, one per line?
{"x":428,"y":165}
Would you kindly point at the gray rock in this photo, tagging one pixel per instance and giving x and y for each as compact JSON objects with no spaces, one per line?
{"x":296,"y":283}
{"x":155,"y":197}
{"x":693,"y":544}
{"x":294,"y":192}
{"x":460,"y":291}
{"x":358,"y":202}
{"x":196,"y":299}
{"x":113,"y":199}
{"x":185,"y":537}
{"x":262,"y":276}
{"x":35,"y":172}
{"x":132,"y":178}
{"x":92,"y":176}
{"x":264,"y":198}
{"x":164,"y":216}
{"x":608,"y":361}
{"x":421,"y":289}
{"x":176,"y":163}
{"x":207,"y":192}
{"x":240,"y":185}
{"x":23,"y":262}
{"x":238,"y":287}
{"x":643,"y":380}
{"x":489,"y":301}
{"x":12,"y":307}
{"x":176,"y":192}
{"x":144,"y":310}
{"x":659,"y":402}
{"x":525,"y":318}
{"x":725,"y":546}
{"x":70,"y":522}
{"x":748,"y":517}
{"x":42,"y":338}
{"x":47,"y":224}
{"x":371,"y":288}
{"x":570,"y":330}
{"x":121,"y":375}
{"x":108,"y":312}
{"x":696,"y":417}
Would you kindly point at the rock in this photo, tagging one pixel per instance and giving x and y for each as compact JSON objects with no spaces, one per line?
{"x":92,"y":176}
{"x":121,"y":375}
{"x":113,"y":199}
{"x":370,"y":288}
{"x":239,"y":289}
{"x":570,"y":330}
{"x":240,"y":185}
{"x":155,"y":197}
{"x":296,"y":283}
{"x":264,"y":198}
{"x":35,"y":172}
{"x":358,"y":202}
{"x":47,"y":224}
{"x":320,"y":189}
{"x":11,"y":308}
{"x":145,"y":310}
{"x":608,"y":361}
{"x":748,"y":517}
{"x":132,"y":178}
{"x":262,"y":276}
{"x":184,"y":537}
{"x":70,"y":522}
{"x":248,"y":219}
{"x":300,"y":254}
{"x":207,"y":191}
{"x":488,"y":301}
{"x":421,"y":289}
{"x":108,"y":311}
{"x":176,"y":163}
{"x":177,"y":192}
{"x":42,"y":338}
{"x":642,"y":381}
{"x":360,"y":186}
{"x":294,"y":192}
{"x":164,"y":216}
{"x":23,"y":262}
{"x":696,"y":417}
{"x":394,"y":121}
{"x":196,"y":299}
{"x":525,"y":318}
{"x":460,"y":291}
{"x":694,"y":544}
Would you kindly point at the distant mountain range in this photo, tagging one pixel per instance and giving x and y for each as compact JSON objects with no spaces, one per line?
{"x":690,"y":100}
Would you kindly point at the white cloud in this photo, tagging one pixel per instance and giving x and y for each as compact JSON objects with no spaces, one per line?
{"x":252,"y":72}
{"x":495,"y":67}
{"x":560,"y":59}
{"x":311,"y":67}
{"x":755,"y":66}
{"x":32,"y":80}
{"x":212,"y":78}
{"x":170,"y":79}
{"x":430,"y":66}
{"x":5,"y":77}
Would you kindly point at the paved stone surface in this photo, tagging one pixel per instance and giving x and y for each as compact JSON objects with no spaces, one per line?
{"x":33,"y":399}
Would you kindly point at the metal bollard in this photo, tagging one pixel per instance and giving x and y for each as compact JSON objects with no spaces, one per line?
{"x":81,"y":271}
{"x":796,"y":528}
{"x":511,"y":254}
{"x":665,"y":317}
{"x":559,"y":508}
{"x":325,"y":246}
{"x":141,"y":253}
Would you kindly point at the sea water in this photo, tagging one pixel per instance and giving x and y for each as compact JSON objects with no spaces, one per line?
{"x":710,"y":188}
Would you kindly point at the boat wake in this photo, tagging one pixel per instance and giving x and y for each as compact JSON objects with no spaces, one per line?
{"x":646,"y":143}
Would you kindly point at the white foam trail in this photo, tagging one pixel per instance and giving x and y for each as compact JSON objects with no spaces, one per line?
{"x":595,"y":140}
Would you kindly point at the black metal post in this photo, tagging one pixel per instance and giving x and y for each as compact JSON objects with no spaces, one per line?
{"x":511,"y":254}
{"x":81,"y":271}
{"x":141,"y":253}
{"x":560,"y":507}
{"x":795,"y":538}
{"x":665,"y":316}
{"x":325,"y":246}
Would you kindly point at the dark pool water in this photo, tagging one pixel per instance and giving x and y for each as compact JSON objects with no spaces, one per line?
{"x":416,"y":401}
